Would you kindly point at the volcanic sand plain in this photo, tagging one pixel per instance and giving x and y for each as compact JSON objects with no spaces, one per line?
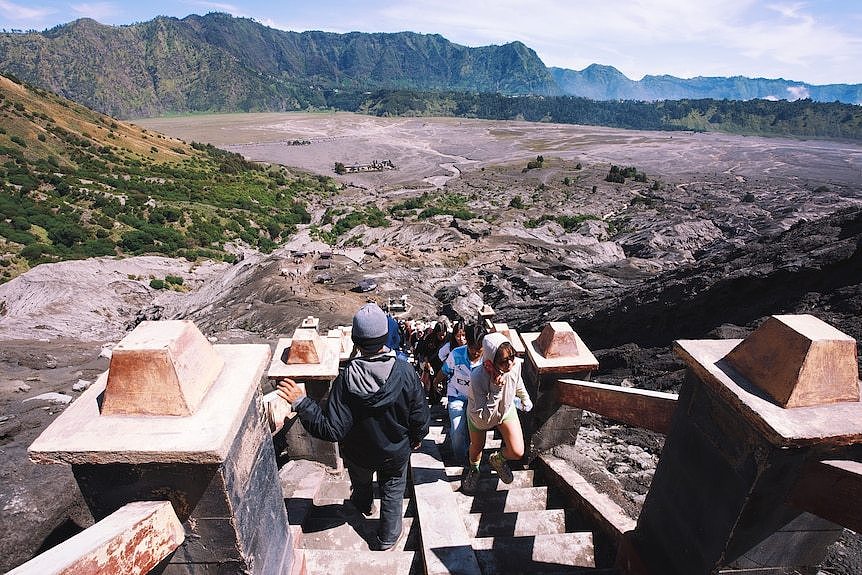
{"x":432,"y":150}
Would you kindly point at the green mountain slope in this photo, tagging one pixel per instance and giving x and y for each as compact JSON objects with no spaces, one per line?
{"x":220,"y":63}
{"x":75,"y":183}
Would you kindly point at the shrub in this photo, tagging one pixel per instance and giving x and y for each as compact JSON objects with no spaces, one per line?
{"x":34,"y":251}
{"x":516,"y":202}
{"x":157,"y":283}
{"x":175,"y":280}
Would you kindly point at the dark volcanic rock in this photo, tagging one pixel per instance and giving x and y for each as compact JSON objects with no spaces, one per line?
{"x":814,"y":267}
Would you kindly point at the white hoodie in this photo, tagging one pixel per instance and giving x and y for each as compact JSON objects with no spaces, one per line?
{"x":488,"y":401}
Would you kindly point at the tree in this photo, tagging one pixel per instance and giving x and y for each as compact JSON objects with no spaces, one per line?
{"x":340,"y":169}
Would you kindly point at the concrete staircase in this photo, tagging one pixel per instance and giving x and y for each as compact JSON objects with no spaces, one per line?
{"x":331,"y":537}
{"x":527,"y":526}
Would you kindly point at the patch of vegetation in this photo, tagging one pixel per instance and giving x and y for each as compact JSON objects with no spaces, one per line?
{"x":75,"y":196}
{"x":343,"y":221}
{"x":568,"y":223}
{"x":535,"y":164}
{"x":618,"y":175}
{"x":430,"y":205}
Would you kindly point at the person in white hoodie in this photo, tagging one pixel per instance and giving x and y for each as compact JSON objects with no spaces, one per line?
{"x":494,"y":386}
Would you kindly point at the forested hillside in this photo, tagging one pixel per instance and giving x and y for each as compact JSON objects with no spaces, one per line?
{"x":220,"y":63}
{"x":75,"y":183}
{"x":801,"y":118}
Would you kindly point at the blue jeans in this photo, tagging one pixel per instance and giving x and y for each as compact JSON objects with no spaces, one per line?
{"x":392,"y":480}
{"x":458,"y":433}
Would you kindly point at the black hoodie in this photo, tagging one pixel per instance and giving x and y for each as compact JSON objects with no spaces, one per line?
{"x":376,"y":410}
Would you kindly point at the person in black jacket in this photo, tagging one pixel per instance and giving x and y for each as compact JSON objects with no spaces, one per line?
{"x":377,"y":412}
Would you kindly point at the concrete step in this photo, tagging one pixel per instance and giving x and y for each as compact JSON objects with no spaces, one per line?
{"x":523,"y":523}
{"x":351,"y":562}
{"x":341,"y":507}
{"x":552,"y":553}
{"x":490,"y":482}
{"x":352,"y":532}
{"x":513,"y":500}
{"x":301,"y":479}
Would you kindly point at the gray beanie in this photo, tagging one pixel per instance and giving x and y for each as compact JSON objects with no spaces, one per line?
{"x":370,"y":327}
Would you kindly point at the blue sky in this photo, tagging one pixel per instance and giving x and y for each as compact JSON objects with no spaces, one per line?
{"x":816,"y":41}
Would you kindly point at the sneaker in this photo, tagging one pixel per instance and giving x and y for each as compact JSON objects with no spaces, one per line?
{"x":498,"y":463}
{"x":470,"y":481}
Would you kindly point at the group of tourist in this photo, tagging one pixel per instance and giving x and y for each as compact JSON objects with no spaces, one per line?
{"x":378,"y":406}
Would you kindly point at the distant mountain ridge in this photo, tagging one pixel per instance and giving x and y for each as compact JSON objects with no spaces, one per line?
{"x":220,"y":63}
{"x":607,"y":83}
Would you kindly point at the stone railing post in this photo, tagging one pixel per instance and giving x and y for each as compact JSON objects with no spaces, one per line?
{"x":556,"y":352}
{"x":751,"y":416}
{"x":176,"y":418}
{"x":313,"y":360}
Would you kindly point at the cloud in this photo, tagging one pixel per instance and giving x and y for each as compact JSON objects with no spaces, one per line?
{"x":27,"y":16}
{"x":798,"y":92}
{"x":793,"y":10}
{"x":99,"y":11}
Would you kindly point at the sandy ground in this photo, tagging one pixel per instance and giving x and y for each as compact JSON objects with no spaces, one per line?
{"x":430,"y":150}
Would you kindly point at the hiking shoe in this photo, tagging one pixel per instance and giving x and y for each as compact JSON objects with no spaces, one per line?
{"x":498,"y":463}
{"x":470,"y":481}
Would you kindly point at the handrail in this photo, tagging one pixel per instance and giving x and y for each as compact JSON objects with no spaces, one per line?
{"x":832,"y":490}
{"x":651,"y":410}
{"x":130,"y":541}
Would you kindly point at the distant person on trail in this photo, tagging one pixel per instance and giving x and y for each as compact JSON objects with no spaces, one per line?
{"x":395,"y":337}
{"x":428,"y":350}
{"x":456,"y":370}
{"x":493,"y":388}
{"x":377,"y":412}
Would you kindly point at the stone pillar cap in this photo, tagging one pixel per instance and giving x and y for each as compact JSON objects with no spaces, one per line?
{"x":311,"y":322}
{"x":305,"y":356}
{"x":486,"y":311}
{"x":513,"y":337}
{"x":559,"y":349}
{"x":342,"y":334}
{"x":160,"y":368}
{"x":81,"y":435}
{"x":727,"y":366}
{"x":799,"y":361}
